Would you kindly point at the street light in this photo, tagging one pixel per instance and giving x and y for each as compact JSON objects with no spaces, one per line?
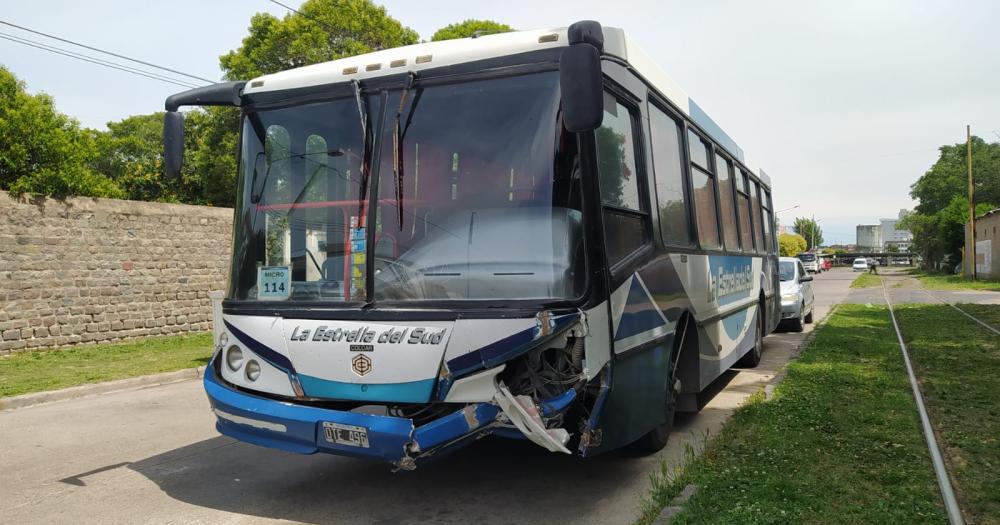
{"x":786,"y":209}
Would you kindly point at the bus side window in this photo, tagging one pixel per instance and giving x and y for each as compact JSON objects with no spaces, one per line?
{"x":768,"y":222}
{"x":624,"y":218}
{"x":668,"y":167}
{"x":743,"y":205}
{"x":727,"y":207}
{"x":703,"y":192}
{"x":757,"y":233}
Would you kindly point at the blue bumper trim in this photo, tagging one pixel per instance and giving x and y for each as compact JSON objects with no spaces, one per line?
{"x":296,"y":428}
{"x":410,"y":392}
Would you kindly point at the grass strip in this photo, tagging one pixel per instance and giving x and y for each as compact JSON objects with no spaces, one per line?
{"x":958,"y":363}
{"x":839,"y":442}
{"x":866,"y":280}
{"x":27,"y":372}
{"x":933,"y":281}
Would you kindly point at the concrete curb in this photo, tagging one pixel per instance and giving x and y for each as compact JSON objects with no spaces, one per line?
{"x":74,"y":392}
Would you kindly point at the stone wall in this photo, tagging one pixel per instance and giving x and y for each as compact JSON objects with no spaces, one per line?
{"x":86,"y":270}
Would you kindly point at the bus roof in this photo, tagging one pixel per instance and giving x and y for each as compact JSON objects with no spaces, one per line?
{"x":427,"y":55}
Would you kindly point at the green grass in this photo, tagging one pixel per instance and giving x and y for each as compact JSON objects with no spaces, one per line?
{"x":27,"y":372}
{"x":866,"y":280}
{"x":958,"y":369}
{"x":839,"y":442}
{"x":934,"y":281}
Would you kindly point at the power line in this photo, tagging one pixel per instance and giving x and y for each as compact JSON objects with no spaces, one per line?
{"x":92,"y":60}
{"x":22,"y":28}
{"x":296,"y":11}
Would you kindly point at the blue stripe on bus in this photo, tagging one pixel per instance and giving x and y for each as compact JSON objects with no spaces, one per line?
{"x":408,"y":392}
{"x":265,"y":352}
{"x":734,"y":323}
{"x":640,"y":314}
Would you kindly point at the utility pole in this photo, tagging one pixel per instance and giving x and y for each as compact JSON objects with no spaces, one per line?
{"x":972,"y":202}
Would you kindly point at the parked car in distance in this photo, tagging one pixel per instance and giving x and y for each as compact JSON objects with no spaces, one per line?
{"x":797,"y":297}
{"x":810,"y":262}
{"x":860,"y":264}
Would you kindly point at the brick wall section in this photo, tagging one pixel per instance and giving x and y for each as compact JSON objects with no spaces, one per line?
{"x":86,"y":270}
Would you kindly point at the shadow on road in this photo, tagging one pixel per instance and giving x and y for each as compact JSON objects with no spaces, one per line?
{"x":222,"y":474}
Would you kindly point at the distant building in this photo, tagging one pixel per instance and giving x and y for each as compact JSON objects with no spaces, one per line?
{"x":893,"y":236}
{"x":987,"y":241}
{"x":869,"y":237}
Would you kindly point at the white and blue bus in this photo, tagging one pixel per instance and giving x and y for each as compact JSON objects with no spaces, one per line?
{"x":535,"y":235}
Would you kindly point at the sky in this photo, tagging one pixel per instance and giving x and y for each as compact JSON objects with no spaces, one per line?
{"x":842,"y":102}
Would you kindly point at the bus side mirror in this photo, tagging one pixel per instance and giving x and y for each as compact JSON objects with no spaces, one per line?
{"x":581,"y":88}
{"x":173,"y":143}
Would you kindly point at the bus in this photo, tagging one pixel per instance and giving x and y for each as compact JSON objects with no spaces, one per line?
{"x":535,"y":235}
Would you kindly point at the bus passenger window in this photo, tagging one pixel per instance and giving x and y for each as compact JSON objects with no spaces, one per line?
{"x":726,"y":202}
{"x":675,"y":228}
{"x":624,"y":218}
{"x":743,"y":205}
{"x":757,"y":234}
{"x":703,"y":192}
{"x":616,"y":157}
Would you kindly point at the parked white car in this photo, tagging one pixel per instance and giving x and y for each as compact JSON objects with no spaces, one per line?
{"x":797,"y":297}
{"x":860,"y":264}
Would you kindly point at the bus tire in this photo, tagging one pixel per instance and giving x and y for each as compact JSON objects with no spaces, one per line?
{"x":752,"y":358}
{"x":654,"y":440}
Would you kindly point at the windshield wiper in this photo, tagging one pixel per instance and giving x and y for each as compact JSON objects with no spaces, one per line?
{"x":365,"y":152}
{"x":397,"y":142}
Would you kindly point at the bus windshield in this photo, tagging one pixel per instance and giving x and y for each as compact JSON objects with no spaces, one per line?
{"x":478,"y":198}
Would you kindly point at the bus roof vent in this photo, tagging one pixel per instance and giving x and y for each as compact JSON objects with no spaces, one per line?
{"x":423,"y":59}
{"x":553,"y":37}
{"x":350,"y":70}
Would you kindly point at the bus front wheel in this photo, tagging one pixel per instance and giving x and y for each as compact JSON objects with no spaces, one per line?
{"x":654,"y":440}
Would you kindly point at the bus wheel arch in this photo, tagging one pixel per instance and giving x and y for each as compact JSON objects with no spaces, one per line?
{"x":684,"y":343}
{"x":752,"y":358}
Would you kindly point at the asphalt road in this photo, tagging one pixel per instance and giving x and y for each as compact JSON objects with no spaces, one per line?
{"x":153,"y":456}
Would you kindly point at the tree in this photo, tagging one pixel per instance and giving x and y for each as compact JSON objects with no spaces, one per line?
{"x":791,"y":244}
{"x":809,"y":230}
{"x":938,"y":221}
{"x":321,"y":30}
{"x":44,"y":151}
{"x":469,"y":28}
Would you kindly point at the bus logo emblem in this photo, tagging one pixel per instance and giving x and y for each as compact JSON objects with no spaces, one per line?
{"x":361,"y":364}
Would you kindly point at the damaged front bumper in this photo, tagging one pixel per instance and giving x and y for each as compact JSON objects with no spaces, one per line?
{"x":305,"y":429}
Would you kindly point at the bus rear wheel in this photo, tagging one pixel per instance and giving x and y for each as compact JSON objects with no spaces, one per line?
{"x":752,"y":358}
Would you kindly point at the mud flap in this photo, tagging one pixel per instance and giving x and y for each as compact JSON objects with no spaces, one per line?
{"x":523,"y":413}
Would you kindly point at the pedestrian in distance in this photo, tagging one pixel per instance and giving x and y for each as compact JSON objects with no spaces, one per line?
{"x":873,"y":266}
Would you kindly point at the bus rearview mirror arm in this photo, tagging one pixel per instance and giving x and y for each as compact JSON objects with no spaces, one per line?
{"x":580,"y":77}
{"x":221,"y":94}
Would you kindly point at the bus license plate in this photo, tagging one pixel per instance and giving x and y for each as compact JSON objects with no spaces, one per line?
{"x":349,"y":435}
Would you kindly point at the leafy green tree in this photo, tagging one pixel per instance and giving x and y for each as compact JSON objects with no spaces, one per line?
{"x":791,"y":244}
{"x":44,"y":151}
{"x":322,"y":30}
{"x":469,"y":28}
{"x":938,"y":221}
{"x":810,"y":231}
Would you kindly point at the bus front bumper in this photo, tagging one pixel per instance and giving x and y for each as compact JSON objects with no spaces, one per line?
{"x":304,"y":429}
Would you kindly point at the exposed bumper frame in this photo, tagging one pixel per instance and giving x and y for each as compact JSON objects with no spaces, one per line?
{"x":298,"y":428}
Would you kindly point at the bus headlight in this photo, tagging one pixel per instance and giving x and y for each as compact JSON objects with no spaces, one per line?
{"x":234,"y":358}
{"x":253,"y":370}
{"x":223,"y":339}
